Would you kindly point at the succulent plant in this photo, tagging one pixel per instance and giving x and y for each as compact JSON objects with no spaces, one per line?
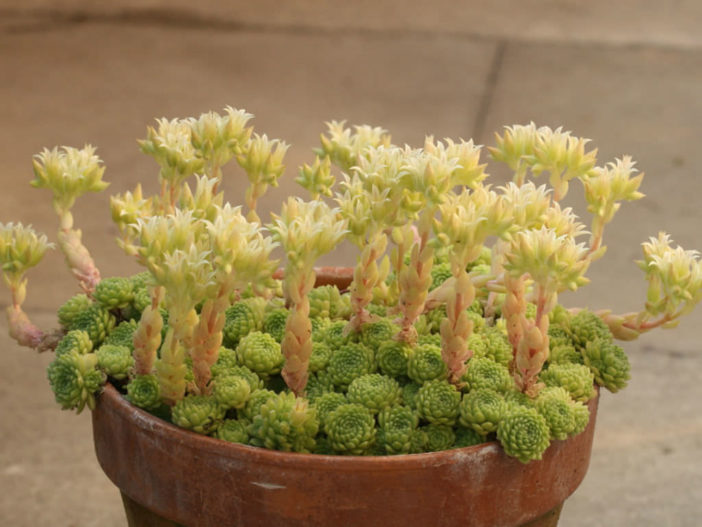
{"x":351,"y":429}
{"x":374,"y":391}
{"x":437,"y":402}
{"x":482,"y":410}
{"x":448,"y":334}
{"x":260,"y":353}
{"x":285,"y":422}
{"x":75,"y":379}
{"x":524,"y":434}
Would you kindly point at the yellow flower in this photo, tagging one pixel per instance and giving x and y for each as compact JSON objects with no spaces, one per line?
{"x":21,"y":248}
{"x":217,"y":138}
{"x":344,"y":148}
{"x":317,"y":178}
{"x":262,"y":159}
{"x":528,"y":204}
{"x":563,"y":156}
{"x":68,"y":173}
{"x":239,"y":248}
{"x":170,"y":144}
{"x":674,"y":276}
{"x":514,"y":147}
{"x":554,"y":262}
{"x":611,"y":184}
{"x":307,"y":230}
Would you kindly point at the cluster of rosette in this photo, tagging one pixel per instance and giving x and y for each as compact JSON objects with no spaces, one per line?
{"x":449,"y":334}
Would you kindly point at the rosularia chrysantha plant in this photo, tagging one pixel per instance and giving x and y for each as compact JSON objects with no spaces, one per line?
{"x":448,"y":334}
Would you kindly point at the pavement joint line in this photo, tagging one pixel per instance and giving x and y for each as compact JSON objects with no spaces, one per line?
{"x":42,"y":19}
{"x":490,"y":86}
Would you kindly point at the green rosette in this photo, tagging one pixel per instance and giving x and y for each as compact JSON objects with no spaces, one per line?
{"x":241,"y":319}
{"x":123,"y":334}
{"x":558,"y":335}
{"x":438,"y":402}
{"x":351,"y":429}
{"x":76,"y":340}
{"x":393,"y":357}
{"x":274,"y":323}
{"x":334,"y":335}
{"x":564,"y":354}
{"x":482,"y":410}
{"x":231,"y":391}
{"x":327,"y":403}
{"x":524,"y":434}
{"x":228,"y":364}
{"x":587,"y":327}
{"x":425,"y":364}
{"x":96,"y":321}
{"x":438,"y":437}
{"x":497,"y":346}
{"x":199,"y":413}
{"x":286,"y":423}
{"x":115,"y":361}
{"x":260,"y":353}
{"x":410,"y":392}
{"x":582,"y":418}
{"x":72,"y":307}
{"x":486,"y":373}
{"x":142,"y":299}
{"x":439,"y":274}
{"x":143,"y":391}
{"x":320,"y":357}
{"x":141,"y":280}
{"x":397,"y":424}
{"x":556,"y":406}
{"x":374,"y":391}
{"x":375,"y":334}
{"x":318,"y":384}
{"x":233,"y":431}
{"x":576,"y":378}
{"x":349,"y":362}
{"x":467,"y":437}
{"x":75,"y":379}
{"x":253,"y":406}
{"x":608,"y":363}
{"x":325,"y":302}
{"x":114,"y":293}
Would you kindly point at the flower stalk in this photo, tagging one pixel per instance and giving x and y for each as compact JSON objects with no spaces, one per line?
{"x":69,"y":173}
{"x":306,"y":231}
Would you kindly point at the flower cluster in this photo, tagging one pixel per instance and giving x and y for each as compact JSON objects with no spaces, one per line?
{"x":446,"y":333}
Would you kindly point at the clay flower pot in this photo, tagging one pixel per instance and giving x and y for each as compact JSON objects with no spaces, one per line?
{"x":169,"y":476}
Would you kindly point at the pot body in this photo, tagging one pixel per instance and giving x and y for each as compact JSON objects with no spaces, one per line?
{"x":169,"y":476}
{"x":199,"y":481}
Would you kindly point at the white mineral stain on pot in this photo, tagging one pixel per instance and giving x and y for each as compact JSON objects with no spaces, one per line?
{"x":268,"y":486}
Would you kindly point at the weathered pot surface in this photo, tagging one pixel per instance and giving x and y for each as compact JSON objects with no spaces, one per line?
{"x":170,"y":476}
{"x":199,"y":481}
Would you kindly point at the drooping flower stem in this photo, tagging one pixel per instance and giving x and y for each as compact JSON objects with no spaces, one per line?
{"x":77,"y":256}
{"x":22,"y":329}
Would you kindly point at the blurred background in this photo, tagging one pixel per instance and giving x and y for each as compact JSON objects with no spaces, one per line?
{"x":626,"y":74}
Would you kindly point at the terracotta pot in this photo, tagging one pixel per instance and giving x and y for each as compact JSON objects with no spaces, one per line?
{"x":169,"y":477}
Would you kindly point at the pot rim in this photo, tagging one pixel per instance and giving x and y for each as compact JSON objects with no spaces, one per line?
{"x":152,"y":424}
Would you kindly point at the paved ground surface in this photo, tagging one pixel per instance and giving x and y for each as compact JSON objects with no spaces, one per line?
{"x":628,"y":75}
